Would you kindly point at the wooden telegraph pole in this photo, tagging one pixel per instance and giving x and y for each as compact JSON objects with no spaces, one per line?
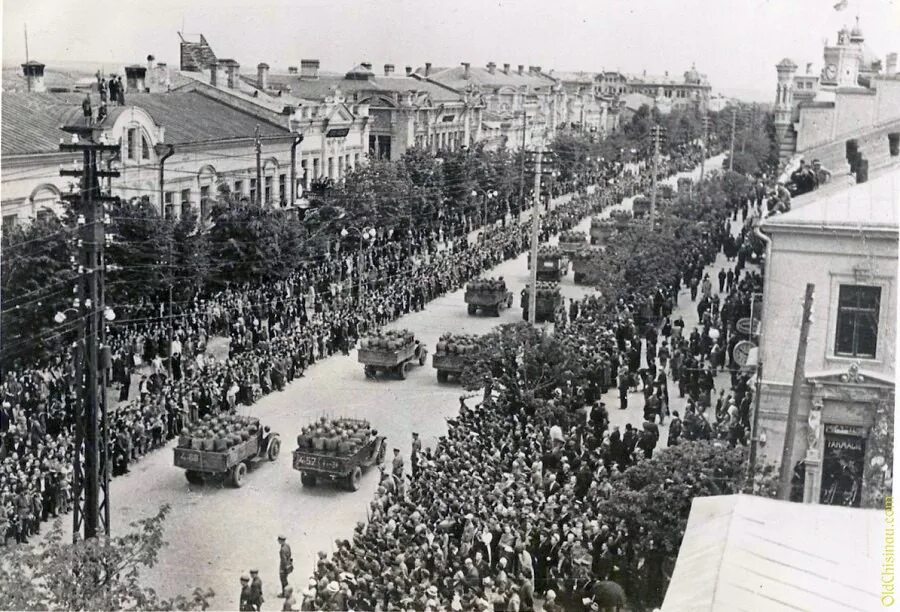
{"x":784,"y":488}
{"x":535,"y":232}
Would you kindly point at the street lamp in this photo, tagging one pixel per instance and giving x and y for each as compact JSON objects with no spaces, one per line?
{"x":366,"y":236}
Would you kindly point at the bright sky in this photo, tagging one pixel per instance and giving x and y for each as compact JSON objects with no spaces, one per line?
{"x":736,"y":42}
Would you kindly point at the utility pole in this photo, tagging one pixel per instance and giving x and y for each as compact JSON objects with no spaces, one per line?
{"x":91,"y":465}
{"x":259,"y":185}
{"x":535,"y":232}
{"x":784,"y":489}
{"x":656,"y":133}
{"x":524,"y":153}
{"x":733,"y":124}
{"x":704,"y":145}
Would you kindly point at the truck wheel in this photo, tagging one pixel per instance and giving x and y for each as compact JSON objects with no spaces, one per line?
{"x":308,"y":480}
{"x":403,"y":370}
{"x":369,"y":371}
{"x":473,"y":309}
{"x":423,"y":358}
{"x":195,"y":478}
{"x":274,"y":448}
{"x":237,"y":475}
{"x":442,"y":376}
{"x":495,"y":311}
{"x":524,"y":314}
{"x":354,"y":478}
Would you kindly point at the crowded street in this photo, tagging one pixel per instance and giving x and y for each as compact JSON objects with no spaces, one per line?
{"x":215,"y":533}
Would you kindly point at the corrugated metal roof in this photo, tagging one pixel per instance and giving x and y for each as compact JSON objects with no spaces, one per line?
{"x":742,"y":552}
{"x":455,"y":78}
{"x":31,"y":122}
{"x":326,"y":85}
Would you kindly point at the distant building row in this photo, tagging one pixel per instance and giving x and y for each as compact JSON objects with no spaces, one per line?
{"x":183,"y":132}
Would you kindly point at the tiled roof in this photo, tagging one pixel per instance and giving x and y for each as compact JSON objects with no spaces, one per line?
{"x":455,"y":78}
{"x":325,"y":85}
{"x":574,"y":77}
{"x":31,"y":122}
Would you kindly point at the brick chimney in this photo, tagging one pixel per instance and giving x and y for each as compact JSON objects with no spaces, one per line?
{"x":293,"y":70}
{"x":34,"y":76}
{"x":409,"y":71}
{"x":521,"y":69}
{"x":262,"y":76}
{"x":232,"y":72}
{"x":162,"y":76}
{"x":890,"y":64}
{"x":135,"y":78}
{"x":505,"y":68}
{"x":427,"y":68}
{"x":214,"y":73}
{"x":491,"y":67}
{"x":466,"y":71}
{"x":309,"y":69}
{"x":388,"y":69}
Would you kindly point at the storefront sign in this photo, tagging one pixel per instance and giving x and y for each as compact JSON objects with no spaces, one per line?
{"x":337,"y":132}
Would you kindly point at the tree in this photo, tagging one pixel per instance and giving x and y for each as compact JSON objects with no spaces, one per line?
{"x":98,"y":574}
{"x":523,"y":363}
{"x":140,"y":253}
{"x":653,"y":499}
{"x":37,"y":282}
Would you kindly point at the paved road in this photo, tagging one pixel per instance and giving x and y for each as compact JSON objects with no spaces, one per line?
{"x":217,"y":533}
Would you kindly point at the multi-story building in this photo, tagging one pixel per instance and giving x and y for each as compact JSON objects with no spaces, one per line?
{"x":177,"y":147}
{"x":519,"y":106}
{"x":844,"y":239}
{"x":854,"y":96}
{"x":584,"y":105}
{"x":692,"y":91}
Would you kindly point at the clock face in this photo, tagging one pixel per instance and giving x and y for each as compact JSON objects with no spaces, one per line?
{"x":830,"y":72}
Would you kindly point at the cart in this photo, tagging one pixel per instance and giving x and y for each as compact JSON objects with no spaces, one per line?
{"x":584,"y":263}
{"x":571,"y":242}
{"x":491,"y":301}
{"x":447,"y":365}
{"x":231,"y":463}
{"x":398,"y":362}
{"x":315,"y":465}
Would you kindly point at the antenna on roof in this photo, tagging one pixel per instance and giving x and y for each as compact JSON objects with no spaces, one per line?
{"x":26,"y":43}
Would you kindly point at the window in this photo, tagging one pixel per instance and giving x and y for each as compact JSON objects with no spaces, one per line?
{"x":145,"y":148}
{"x":168,"y":201}
{"x":267,"y":181}
{"x":131,"y":143}
{"x":204,"y":203}
{"x":282,"y":188}
{"x":315,"y":167}
{"x":9,"y":222}
{"x":356,"y":160}
{"x":857,"y":321}
{"x":305,"y":173}
{"x":185,"y":202}
{"x":340,"y":166}
{"x":253,"y":190}
{"x":238,"y":189}
{"x":331,"y":167}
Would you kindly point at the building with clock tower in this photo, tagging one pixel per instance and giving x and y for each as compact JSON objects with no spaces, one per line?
{"x":855,"y":96}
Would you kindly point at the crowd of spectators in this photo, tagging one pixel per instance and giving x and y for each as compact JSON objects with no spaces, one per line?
{"x":506,"y":508}
{"x":277,"y":330}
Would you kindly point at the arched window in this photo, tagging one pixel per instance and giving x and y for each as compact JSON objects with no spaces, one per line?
{"x":45,"y":200}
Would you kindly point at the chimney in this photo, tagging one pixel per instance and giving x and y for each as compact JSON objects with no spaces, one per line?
{"x":491,"y":67}
{"x":521,"y":69}
{"x":890,"y":64}
{"x":309,"y":69}
{"x":293,"y":70}
{"x":151,"y":61}
{"x":505,"y":68}
{"x":808,"y":67}
{"x":262,"y":76}
{"x":427,"y":68}
{"x":667,"y":74}
{"x":214,"y":73}
{"x":135,"y":78}
{"x":467,"y":70}
{"x":409,"y":71}
{"x":388,"y":69}
{"x":162,"y":76}
{"x":34,"y":76}
{"x":232,"y":72}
